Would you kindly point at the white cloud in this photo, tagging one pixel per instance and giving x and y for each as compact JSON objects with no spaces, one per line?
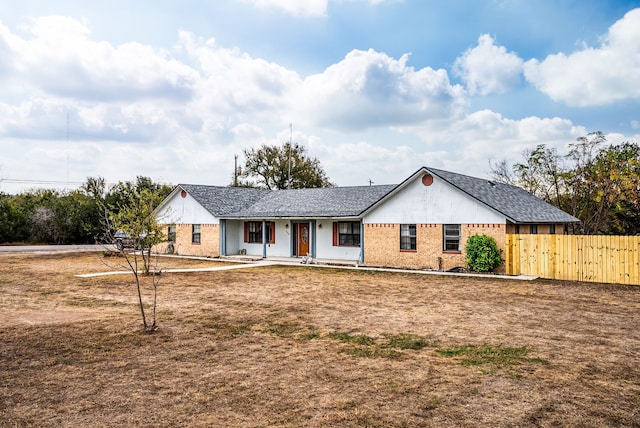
{"x":59,"y":58}
{"x":468,"y":144}
{"x":131,"y":92}
{"x":488,"y":68}
{"x":370,"y":89}
{"x":307,"y":8}
{"x":181,"y":114}
{"x":594,"y":76}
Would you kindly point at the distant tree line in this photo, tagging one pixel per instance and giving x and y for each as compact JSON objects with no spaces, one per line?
{"x":596,"y":182}
{"x":69,"y":217}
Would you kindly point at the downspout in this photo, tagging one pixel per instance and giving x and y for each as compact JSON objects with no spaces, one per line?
{"x":264,"y":239}
{"x":223,"y":238}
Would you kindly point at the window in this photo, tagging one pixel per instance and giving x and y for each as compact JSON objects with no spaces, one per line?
{"x":346,"y":233}
{"x":195,"y":234}
{"x":253,"y":232}
{"x":451,"y":237}
{"x":408,"y":237}
{"x":171,"y":233}
{"x":552,"y":229}
{"x":533,"y":229}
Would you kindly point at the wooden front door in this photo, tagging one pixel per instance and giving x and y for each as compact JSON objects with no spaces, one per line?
{"x":302,"y":237}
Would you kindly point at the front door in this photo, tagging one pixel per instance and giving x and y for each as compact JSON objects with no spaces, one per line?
{"x":302,"y":244}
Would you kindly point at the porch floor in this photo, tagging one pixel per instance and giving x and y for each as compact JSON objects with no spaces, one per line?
{"x":289,"y":260}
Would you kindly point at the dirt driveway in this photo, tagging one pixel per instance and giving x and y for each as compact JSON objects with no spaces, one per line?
{"x":299,"y":346}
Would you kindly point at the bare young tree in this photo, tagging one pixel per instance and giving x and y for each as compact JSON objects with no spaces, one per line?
{"x":501,"y":172}
{"x":134,"y":230}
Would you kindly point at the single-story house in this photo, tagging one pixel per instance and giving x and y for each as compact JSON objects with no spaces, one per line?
{"x":423,"y":222}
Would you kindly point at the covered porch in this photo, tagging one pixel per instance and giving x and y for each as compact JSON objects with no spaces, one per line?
{"x":292,"y":238}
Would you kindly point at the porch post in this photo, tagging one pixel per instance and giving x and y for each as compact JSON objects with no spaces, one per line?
{"x":312,"y":238}
{"x":264,"y":239}
{"x":361,"y":242}
{"x":223,"y":237}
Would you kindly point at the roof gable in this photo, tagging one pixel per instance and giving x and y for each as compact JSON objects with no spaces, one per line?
{"x":515,"y":203}
{"x":220,"y":201}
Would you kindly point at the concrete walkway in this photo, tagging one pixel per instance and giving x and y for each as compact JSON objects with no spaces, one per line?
{"x":331,"y":264}
{"x":207,"y":269}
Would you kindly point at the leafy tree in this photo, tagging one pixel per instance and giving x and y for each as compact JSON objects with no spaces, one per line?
{"x":615,"y":178}
{"x":51,"y":216}
{"x":541,"y":174}
{"x":121,"y":193}
{"x":483,"y":254}
{"x":15,"y":219}
{"x":282,"y":167}
{"x":136,"y":218}
{"x":595,"y":182}
{"x":41,"y":205}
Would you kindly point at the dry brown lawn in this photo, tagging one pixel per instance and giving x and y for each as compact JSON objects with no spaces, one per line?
{"x":314,"y":347}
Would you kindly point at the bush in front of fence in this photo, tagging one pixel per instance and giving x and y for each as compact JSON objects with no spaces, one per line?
{"x":483,"y":254}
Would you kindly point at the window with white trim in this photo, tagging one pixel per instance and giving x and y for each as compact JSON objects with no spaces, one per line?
{"x":346,"y":233}
{"x":451,"y":237}
{"x":195,"y":234}
{"x":408,"y":237}
{"x":253,"y":232}
{"x":171,"y":233}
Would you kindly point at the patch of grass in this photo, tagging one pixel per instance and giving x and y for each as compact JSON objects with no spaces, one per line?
{"x":390,"y":347}
{"x":494,"y":357}
{"x":372,"y":352}
{"x":282,"y":329}
{"x":48,"y":292}
{"x":92,"y":302}
{"x":310,"y":335}
{"x":407,"y":341}
{"x":359,"y":339}
{"x":234,"y":329}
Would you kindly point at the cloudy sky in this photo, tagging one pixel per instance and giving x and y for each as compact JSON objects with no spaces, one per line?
{"x":374,"y":89}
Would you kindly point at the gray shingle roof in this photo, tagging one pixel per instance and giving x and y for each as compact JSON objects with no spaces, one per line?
{"x":321,"y":202}
{"x":513,"y":202}
{"x":221,"y":201}
{"x":516,"y":204}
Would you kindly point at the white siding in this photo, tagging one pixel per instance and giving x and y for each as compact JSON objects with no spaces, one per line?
{"x":324,"y":244}
{"x":439,"y":203}
{"x":179,"y":210}
{"x":233,"y":231}
{"x":279,"y":249}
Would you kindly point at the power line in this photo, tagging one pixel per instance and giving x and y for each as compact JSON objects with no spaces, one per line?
{"x":25,"y":181}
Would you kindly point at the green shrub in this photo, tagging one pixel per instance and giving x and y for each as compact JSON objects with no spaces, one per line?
{"x":483,"y":254}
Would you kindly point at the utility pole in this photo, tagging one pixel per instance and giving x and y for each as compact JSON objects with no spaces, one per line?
{"x":235,"y":170}
{"x":67,"y":149}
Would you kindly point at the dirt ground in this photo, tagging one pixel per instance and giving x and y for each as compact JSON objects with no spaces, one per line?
{"x":314,"y":347}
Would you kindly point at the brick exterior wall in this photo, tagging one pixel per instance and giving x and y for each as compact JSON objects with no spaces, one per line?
{"x":382,"y":245}
{"x":543,"y":229}
{"x":209,"y":245}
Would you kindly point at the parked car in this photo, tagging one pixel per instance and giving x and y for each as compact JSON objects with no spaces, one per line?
{"x":122,"y":240}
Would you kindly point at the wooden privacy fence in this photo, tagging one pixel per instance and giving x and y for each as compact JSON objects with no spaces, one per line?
{"x":613,"y":259}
